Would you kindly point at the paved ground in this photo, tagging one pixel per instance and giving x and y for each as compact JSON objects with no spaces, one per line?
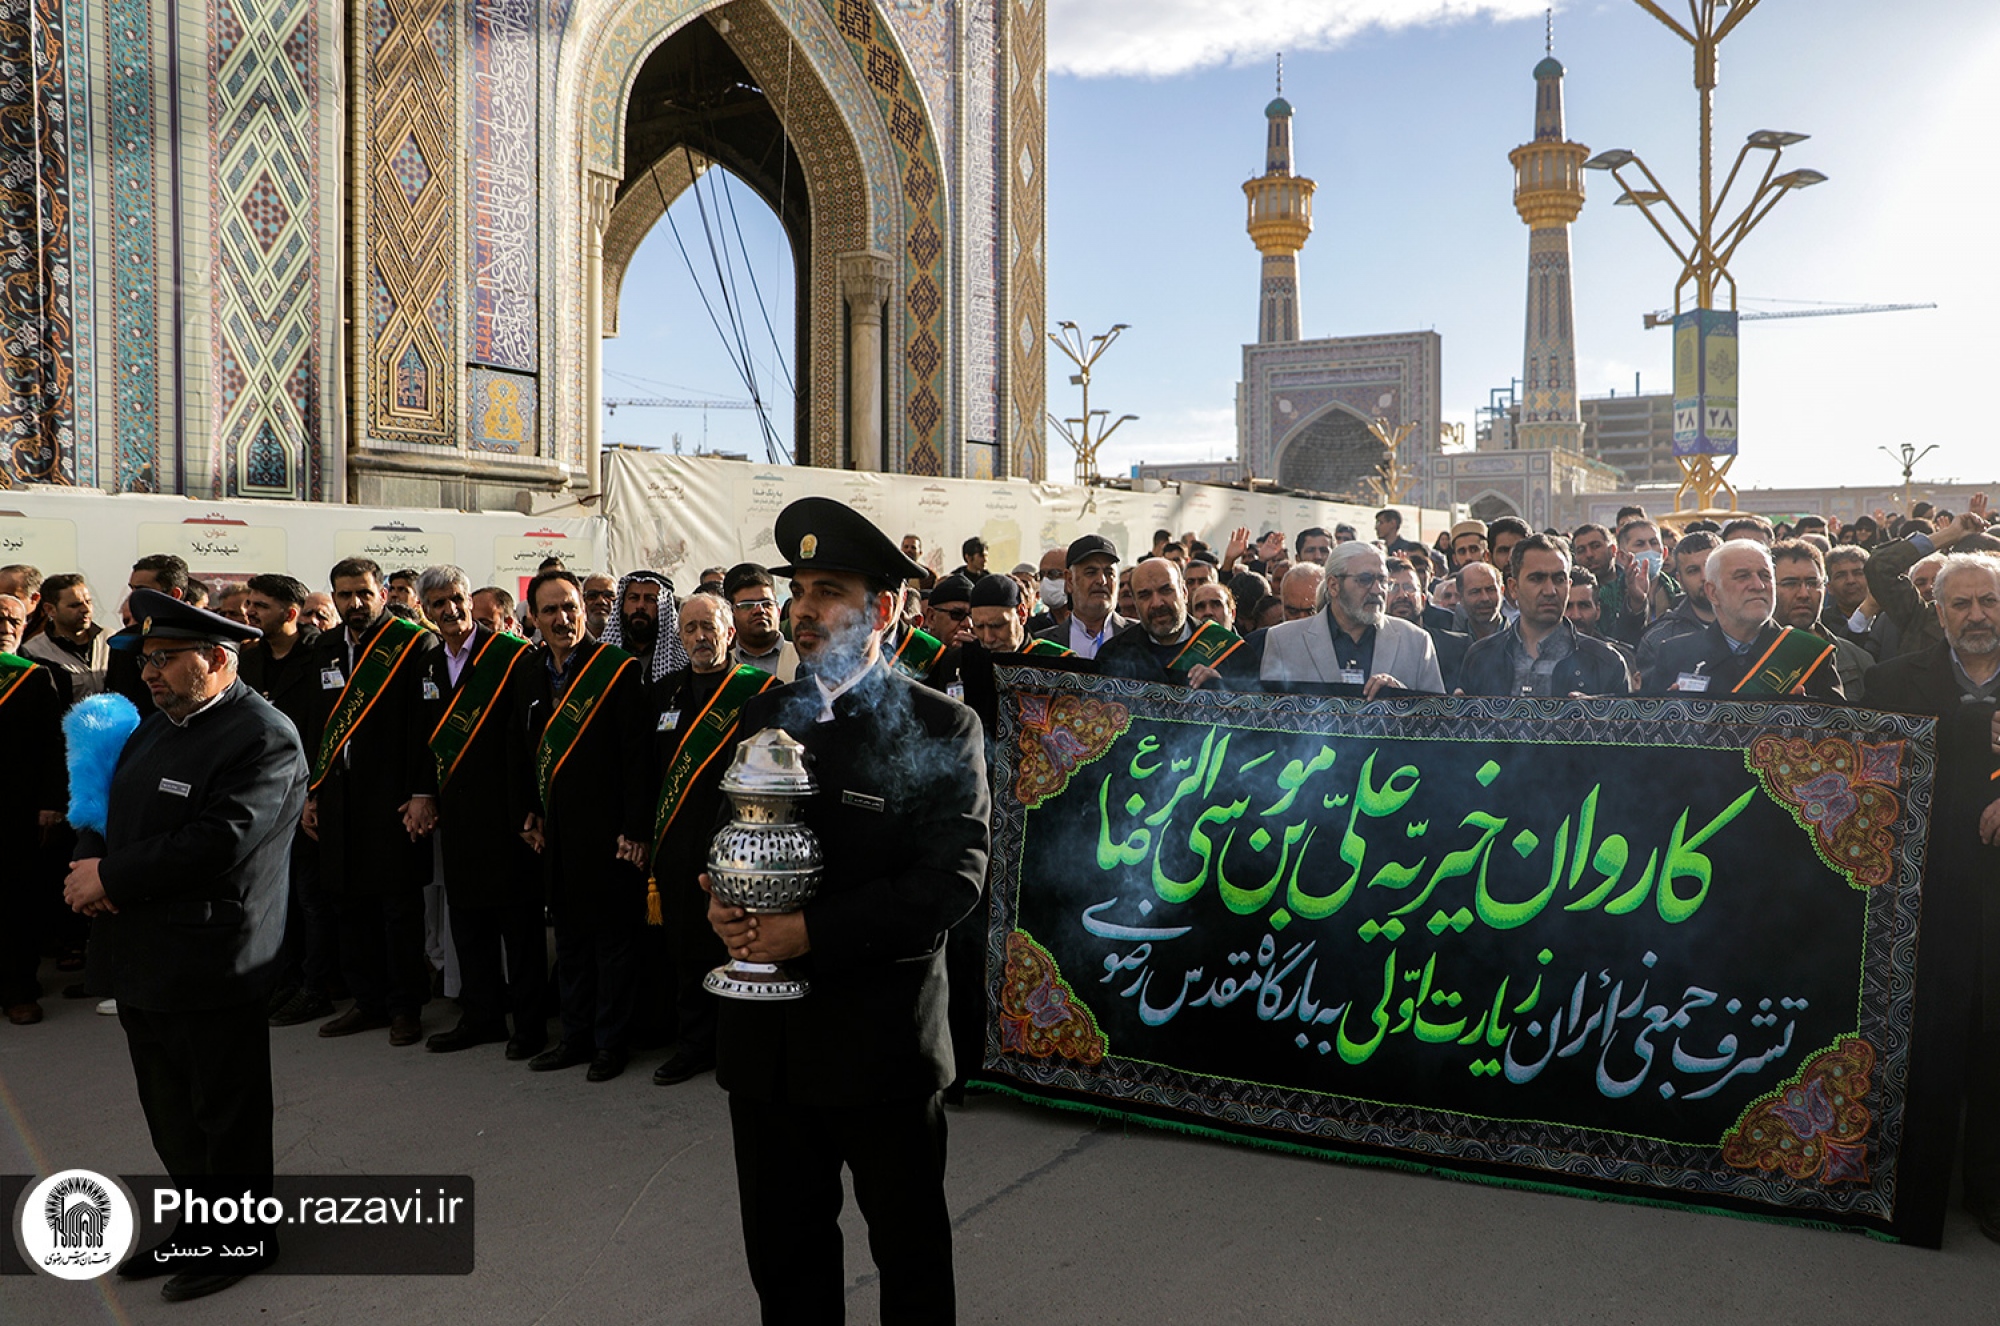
{"x":616,"y":1203}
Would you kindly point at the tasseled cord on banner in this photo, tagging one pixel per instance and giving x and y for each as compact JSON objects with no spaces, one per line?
{"x":94,"y":733}
{"x":653,"y":915}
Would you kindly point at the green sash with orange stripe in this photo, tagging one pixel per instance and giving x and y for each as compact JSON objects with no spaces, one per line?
{"x":1207,"y":647}
{"x":573,"y":714}
{"x":485,"y":677}
{"x":707,"y":735}
{"x":13,"y":671}
{"x":1048,"y":648}
{"x":1785,"y":667}
{"x":381,"y":658}
{"x":918,"y":653}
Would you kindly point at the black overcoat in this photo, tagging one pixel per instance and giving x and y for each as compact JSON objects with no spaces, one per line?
{"x":486,"y":861}
{"x":363,"y":847}
{"x":197,"y":844}
{"x":901,"y":815}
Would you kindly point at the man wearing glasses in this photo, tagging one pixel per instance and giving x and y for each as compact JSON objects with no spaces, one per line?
{"x":187,"y":891}
{"x":753,"y":602}
{"x":1801,"y":601}
{"x":1353,"y":640}
{"x":600,"y":600}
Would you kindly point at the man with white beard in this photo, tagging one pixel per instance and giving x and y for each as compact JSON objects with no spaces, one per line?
{"x":1352,"y":640}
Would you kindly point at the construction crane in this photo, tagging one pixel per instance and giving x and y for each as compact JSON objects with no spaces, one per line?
{"x":675,"y":403}
{"x":1665,"y":318}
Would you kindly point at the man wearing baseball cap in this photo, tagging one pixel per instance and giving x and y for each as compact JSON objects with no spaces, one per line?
{"x":1091,"y":577}
{"x":188,"y":898}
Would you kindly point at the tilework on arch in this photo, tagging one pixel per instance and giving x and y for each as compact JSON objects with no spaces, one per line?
{"x":412,"y":173}
{"x":924,"y":247}
{"x":267,"y":416}
{"x":38,"y":384}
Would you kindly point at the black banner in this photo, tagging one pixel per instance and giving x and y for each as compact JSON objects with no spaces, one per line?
{"x":1658,"y":949}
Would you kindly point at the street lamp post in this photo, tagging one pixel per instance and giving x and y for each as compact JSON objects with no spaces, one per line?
{"x":1087,"y":433}
{"x":1907,"y":456}
{"x":1705,"y":337}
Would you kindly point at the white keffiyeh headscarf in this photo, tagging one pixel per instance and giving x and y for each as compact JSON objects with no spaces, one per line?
{"x":668,"y":655}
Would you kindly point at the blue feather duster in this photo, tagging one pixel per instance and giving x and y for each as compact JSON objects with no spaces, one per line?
{"x":94,"y":732}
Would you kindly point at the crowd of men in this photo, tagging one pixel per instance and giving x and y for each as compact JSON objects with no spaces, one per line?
{"x":483,"y":771}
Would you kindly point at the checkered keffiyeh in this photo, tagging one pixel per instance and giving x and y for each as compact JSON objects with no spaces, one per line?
{"x":668,"y":655}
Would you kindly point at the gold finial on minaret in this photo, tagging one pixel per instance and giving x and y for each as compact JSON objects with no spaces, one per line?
{"x":1279,"y":223}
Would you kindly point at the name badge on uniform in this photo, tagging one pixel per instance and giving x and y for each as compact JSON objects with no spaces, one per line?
{"x":175,"y":787}
{"x":956,"y":690}
{"x":863,"y":800}
{"x":330,"y":679}
{"x":1353,"y":676}
{"x":670,"y":720}
{"x":431,"y":691}
{"x":1691,"y":681}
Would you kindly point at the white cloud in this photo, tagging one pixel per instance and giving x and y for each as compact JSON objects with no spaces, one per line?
{"x":1156,"y":38}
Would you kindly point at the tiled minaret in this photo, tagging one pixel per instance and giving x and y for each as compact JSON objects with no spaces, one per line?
{"x":1280,"y":221}
{"x":1548,"y":193}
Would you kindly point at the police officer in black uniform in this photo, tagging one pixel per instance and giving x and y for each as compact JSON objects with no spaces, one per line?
{"x":188,"y":898}
{"x":851,"y":1073}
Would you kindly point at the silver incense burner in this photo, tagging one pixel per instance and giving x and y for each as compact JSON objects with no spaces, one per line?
{"x":764,"y":860}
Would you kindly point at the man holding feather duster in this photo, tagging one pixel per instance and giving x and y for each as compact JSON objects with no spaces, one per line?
{"x":185,"y":879}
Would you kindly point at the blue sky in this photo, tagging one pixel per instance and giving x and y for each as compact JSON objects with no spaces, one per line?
{"x":1156,"y":119}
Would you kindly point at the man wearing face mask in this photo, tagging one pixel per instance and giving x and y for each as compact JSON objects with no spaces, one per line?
{"x":1053,"y":588}
{"x":1694,"y":613}
{"x":490,"y":877}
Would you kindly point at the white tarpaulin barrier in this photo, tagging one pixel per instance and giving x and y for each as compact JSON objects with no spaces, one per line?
{"x":678,"y":514}
{"x":225,"y":543}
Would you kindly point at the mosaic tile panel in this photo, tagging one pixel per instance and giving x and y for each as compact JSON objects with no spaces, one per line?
{"x":413,"y":190}
{"x":131,"y":212}
{"x":37,"y":310}
{"x":501,"y":193}
{"x":926,"y":31}
{"x":80,"y":68}
{"x":924,"y":333}
{"x":266,"y":420}
{"x":981,"y":278}
{"x":1022,"y":154}
{"x":502,"y":411}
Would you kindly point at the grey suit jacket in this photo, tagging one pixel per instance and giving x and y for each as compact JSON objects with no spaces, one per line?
{"x":1303,"y":651}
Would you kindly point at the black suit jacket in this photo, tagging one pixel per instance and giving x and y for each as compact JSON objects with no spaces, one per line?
{"x":291,"y":684}
{"x":1451,"y":647}
{"x":1133,"y":655}
{"x":901,"y":818}
{"x":603,"y":789}
{"x":31,"y":733}
{"x":1709,"y":648}
{"x":197,"y":846}
{"x":1924,"y":683}
{"x":363,"y":848}
{"x":486,"y":862}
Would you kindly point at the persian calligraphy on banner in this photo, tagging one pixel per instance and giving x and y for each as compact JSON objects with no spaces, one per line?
{"x":1657,"y":949}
